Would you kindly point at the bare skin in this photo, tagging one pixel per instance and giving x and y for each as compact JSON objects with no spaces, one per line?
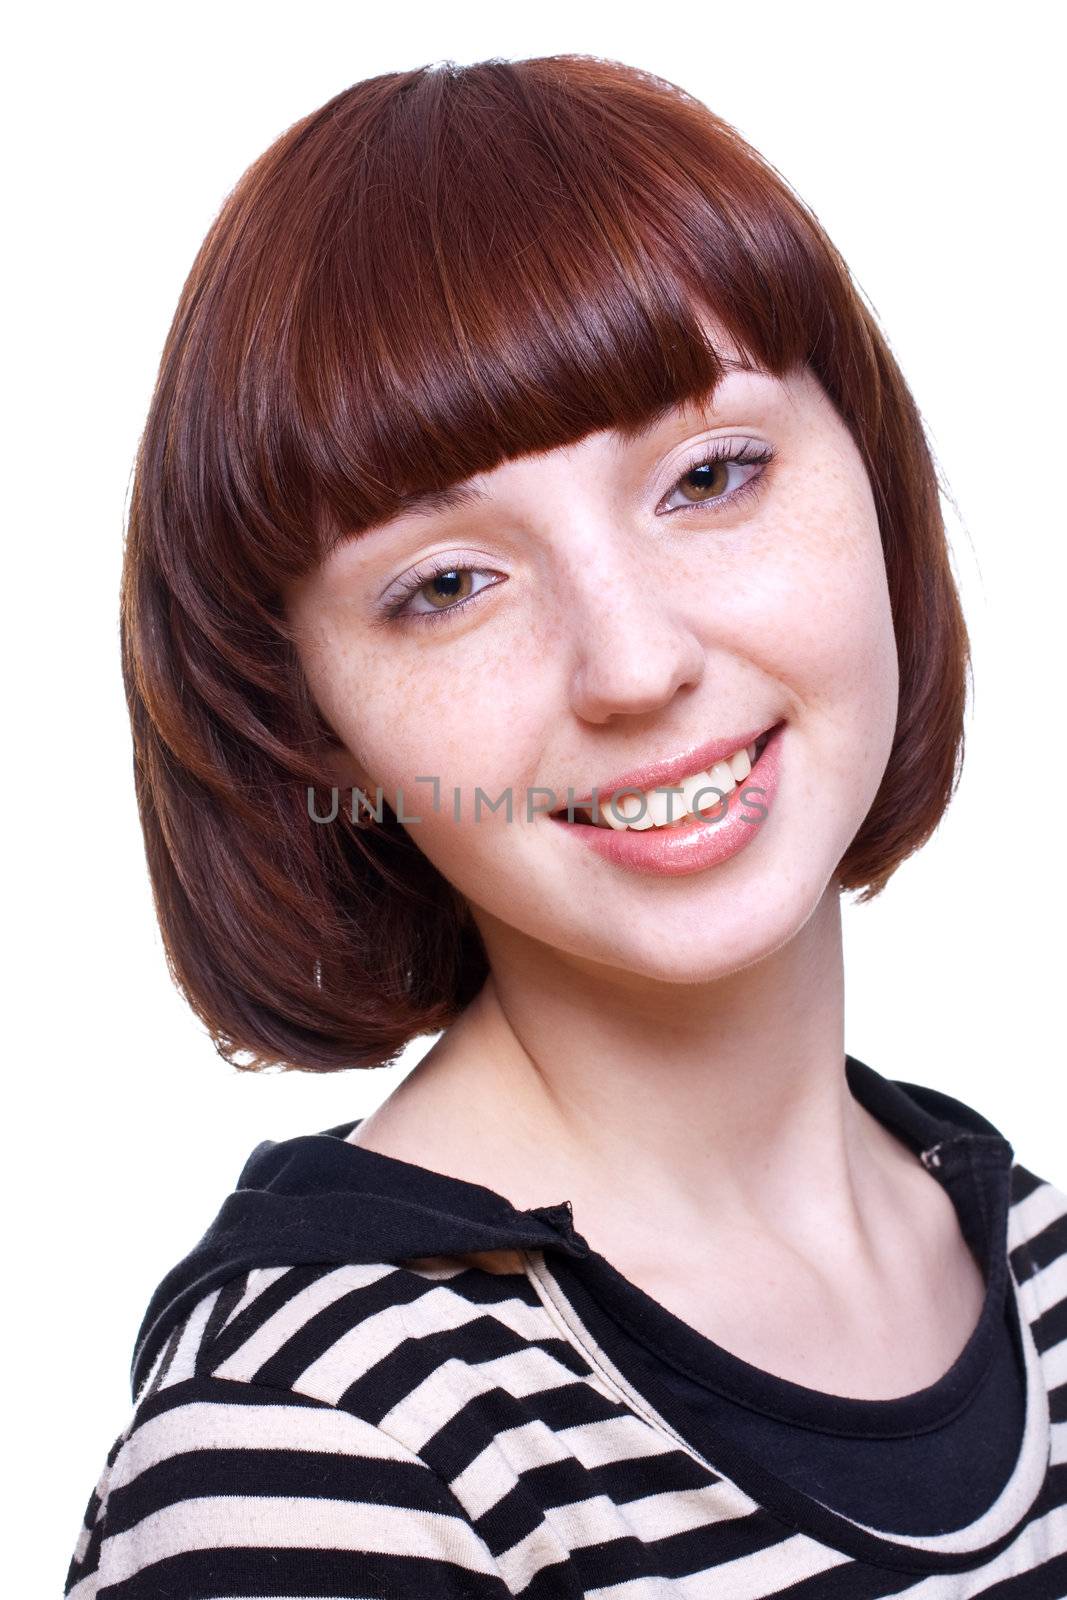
{"x":880,"y":1311}
{"x":665,"y":1053}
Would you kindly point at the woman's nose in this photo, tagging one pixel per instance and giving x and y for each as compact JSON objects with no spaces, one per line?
{"x":632,"y":650}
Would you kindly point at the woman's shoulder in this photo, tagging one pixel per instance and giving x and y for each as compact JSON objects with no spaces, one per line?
{"x":279,"y":1326}
{"x":1037,"y":1230}
{"x":292,"y":1404}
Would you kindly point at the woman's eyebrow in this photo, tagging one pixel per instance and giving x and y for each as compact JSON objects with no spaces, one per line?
{"x":701,"y":403}
{"x":428,"y":502}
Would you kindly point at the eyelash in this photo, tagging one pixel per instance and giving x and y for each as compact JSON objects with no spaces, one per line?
{"x":749,"y":454}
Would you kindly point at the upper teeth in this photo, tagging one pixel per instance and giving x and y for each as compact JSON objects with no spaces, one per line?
{"x":665,"y":807}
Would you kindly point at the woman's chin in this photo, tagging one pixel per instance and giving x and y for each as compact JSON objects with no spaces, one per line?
{"x":744,"y":929}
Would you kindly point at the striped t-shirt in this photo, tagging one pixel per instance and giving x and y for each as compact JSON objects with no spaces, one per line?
{"x":370,"y":1379}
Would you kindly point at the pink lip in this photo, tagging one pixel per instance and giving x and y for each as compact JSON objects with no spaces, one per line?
{"x":702,"y":841}
{"x":661,"y":773}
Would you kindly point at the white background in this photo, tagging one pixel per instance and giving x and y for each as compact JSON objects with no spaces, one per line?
{"x":927,"y":140}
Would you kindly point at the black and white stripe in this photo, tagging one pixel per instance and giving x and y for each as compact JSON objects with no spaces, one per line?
{"x":437,"y":1429}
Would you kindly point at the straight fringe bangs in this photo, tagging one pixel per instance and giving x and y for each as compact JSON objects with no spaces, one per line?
{"x":437,"y":271}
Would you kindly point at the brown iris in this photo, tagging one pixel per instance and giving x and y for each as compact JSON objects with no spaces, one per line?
{"x":455,"y":576}
{"x":711,"y":476}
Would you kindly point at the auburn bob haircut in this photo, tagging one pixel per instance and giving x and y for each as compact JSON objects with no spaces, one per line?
{"x":436,"y":271}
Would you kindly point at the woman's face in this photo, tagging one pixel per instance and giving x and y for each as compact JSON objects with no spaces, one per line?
{"x":611,"y":604}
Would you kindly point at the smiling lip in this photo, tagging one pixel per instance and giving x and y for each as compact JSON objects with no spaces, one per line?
{"x":707,"y":839}
{"x":661,"y":773}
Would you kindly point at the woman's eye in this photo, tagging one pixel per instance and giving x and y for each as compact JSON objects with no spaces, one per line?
{"x":721,"y":476}
{"x":437,"y":593}
{"x":718,"y":475}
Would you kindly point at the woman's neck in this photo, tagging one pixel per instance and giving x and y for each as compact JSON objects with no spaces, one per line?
{"x":564,"y":1082}
{"x":712,"y":1152}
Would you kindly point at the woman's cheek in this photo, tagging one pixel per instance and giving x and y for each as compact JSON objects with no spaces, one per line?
{"x":820,"y":590}
{"x":472,"y":746}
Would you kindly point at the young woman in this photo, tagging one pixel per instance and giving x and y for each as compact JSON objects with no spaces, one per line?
{"x":536,"y":615}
